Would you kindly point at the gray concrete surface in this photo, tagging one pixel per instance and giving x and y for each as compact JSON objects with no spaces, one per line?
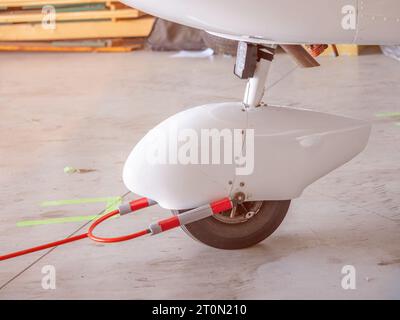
{"x":89,"y":110}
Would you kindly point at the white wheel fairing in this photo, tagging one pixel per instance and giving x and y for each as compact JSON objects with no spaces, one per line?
{"x":293,"y":148}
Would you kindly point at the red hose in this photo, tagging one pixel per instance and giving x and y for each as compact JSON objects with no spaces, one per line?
{"x":135,"y":206}
{"x":116,"y":239}
{"x":43,"y":247}
{"x":213,"y":208}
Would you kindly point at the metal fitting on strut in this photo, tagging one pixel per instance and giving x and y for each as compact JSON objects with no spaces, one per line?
{"x":239,"y":198}
{"x":248,"y":54}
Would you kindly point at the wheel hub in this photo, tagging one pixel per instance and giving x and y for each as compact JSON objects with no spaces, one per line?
{"x":241,"y":212}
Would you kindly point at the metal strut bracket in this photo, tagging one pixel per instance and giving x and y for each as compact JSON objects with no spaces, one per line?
{"x":248,"y":55}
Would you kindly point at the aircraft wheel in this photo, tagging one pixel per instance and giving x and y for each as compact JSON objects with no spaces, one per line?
{"x":244,"y":226}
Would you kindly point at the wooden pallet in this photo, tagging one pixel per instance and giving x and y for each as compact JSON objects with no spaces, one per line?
{"x":28,"y":16}
{"x":82,"y":30}
{"x":41,"y":3}
{"x":21,"y":20}
{"x":351,"y":50}
{"x":50,"y":47}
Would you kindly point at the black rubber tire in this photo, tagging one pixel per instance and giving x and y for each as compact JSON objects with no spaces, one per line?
{"x":220,"y":235}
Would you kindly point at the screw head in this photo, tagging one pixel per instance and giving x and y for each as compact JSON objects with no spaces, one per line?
{"x":250,"y":214}
{"x":240,"y":197}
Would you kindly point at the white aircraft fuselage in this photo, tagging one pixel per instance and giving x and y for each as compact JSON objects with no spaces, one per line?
{"x":285,"y":21}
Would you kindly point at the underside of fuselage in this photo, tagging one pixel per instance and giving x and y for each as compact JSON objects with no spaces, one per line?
{"x":285,"y":21}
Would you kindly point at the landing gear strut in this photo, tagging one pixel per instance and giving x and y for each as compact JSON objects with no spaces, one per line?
{"x":253,"y":63}
{"x":251,"y":222}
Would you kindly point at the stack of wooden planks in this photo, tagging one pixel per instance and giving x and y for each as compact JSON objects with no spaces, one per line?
{"x":71,"y":25}
{"x":351,"y":50}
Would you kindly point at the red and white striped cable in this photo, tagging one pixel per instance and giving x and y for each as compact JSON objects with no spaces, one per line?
{"x":155,"y":228}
